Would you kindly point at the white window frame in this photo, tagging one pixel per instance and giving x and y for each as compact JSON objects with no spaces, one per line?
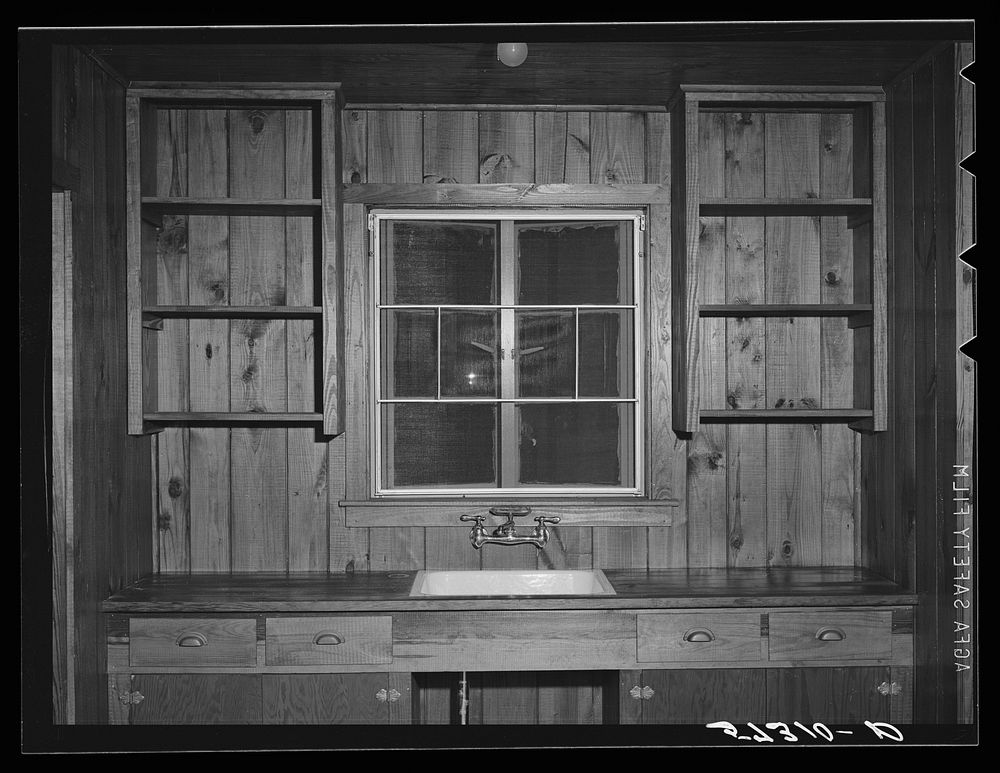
{"x":375,"y":307}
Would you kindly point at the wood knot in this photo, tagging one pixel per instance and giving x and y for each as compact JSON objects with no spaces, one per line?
{"x":744,"y":344}
{"x":355,"y":177}
{"x":758,"y":357}
{"x":217,"y":291}
{"x":249,"y":373}
{"x":787,"y":549}
{"x":832,"y":278}
{"x":968,"y":367}
{"x":967,"y":275}
{"x":257,"y":120}
{"x":208,"y":351}
{"x":780,"y":402}
{"x":745,"y":119}
{"x":828,"y":147}
{"x":736,"y":541}
{"x":355,"y":115}
{"x":809,"y":402}
{"x":163,"y":522}
{"x":175,"y":487}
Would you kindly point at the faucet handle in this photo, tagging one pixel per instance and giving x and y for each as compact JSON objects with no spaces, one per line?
{"x":542,"y":519}
{"x":477,"y":518}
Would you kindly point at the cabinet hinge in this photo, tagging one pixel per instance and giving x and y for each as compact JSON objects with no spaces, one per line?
{"x":371,"y":222}
{"x":642,"y":222}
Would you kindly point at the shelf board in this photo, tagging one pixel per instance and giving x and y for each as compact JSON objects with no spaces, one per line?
{"x":775,"y":207}
{"x":153,"y":314}
{"x":227,"y":206}
{"x":785,"y":310}
{"x":786,"y":416}
{"x":196,"y":418}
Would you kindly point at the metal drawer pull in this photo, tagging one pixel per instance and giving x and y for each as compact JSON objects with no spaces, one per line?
{"x":192,"y":640}
{"x":394,"y":695}
{"x":831,"y":634}
{"x":699,"y":634}
{"x":382,"y":695}
{"x":325,"y":639}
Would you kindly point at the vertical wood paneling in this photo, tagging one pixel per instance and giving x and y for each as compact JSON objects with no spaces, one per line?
{"x":354,"y":146}
{"x":667,"y":546}
{"x":308,"y":541}
{"x":745,"y":344}
{"x":323,"y":699}
{"x":562,"y":147}
{"x":258,"y":347}
{"x":901,"y":438}
{"x":109,"y":498}
{"x":569,"y":698}
{"x":172,"y":390}
{"x":837,"y":344}
{"x":394,"y":146}
{"x":208,"y":344}
{"x":506,"y":147}
{"x":395,"y":154}
{"x":707,"y":460}
{"x":791,"y":163}
{"x":451,"y":146}
{"x":501,"y":698}
{"x":618,"y":149}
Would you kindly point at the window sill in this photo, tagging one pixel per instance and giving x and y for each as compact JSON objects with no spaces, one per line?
{"x":576,"y":511}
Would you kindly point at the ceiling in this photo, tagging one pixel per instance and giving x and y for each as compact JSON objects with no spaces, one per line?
{"x":591,"y":71}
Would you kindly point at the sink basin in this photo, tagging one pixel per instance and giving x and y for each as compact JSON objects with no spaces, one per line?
{"x":513,"y":582}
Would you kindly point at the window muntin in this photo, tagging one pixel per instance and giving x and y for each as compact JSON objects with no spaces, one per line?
{"x":507,"y":352}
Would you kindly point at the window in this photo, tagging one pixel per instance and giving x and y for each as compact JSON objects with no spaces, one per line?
{"x":506,"y":352}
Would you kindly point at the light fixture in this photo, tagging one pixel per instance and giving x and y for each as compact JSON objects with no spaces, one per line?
{"x":512,"y":54}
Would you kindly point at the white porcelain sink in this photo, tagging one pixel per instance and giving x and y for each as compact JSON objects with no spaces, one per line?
{"x":513,"y":582}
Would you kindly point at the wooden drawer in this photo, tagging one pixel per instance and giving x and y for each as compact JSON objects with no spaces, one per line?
{"x":328,"y":641}
{"x":834,"y":635}
{"x":697,"y":636}
{"x":189,"y":641}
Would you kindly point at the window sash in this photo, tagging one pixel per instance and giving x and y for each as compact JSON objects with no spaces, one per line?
{"x":507,"y":401}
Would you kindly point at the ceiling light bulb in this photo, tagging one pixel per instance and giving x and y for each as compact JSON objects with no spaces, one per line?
{"x":512,"y":54}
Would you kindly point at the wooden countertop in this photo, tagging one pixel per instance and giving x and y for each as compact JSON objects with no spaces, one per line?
{"x":389,"y":591}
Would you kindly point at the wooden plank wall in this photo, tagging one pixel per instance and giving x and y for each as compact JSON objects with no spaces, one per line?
{"x":241,"y":499}
{"x":108,"y":516}
{"x":751,"y":496}
{"x":932,"y":386}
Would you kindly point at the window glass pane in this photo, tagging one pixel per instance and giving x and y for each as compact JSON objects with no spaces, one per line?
{"x":574,"y":262}
{"x":434,"y":262}
{"x":577,"y":443}
{"x":546,"y":353}
{"x":438,"y":444}
{"x":606,"y":353}
{"x":468,"y":353}
{"x":409,"y":353}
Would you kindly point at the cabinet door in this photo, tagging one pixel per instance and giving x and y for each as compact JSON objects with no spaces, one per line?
{"x":197,"y":699}
{"x":829,"y":695}
{"x":327,"y":699}
{"x":692,"y":696}
{"x":703,"y":695}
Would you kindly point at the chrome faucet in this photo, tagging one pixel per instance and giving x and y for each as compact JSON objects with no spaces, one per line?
{"x":506,"y":532}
